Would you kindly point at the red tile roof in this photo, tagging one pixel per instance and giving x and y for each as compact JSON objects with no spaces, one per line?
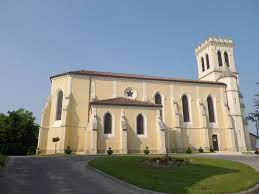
{"x":120,"y":101}
{"x":133,"y":76}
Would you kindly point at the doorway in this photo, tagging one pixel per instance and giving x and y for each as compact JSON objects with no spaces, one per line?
{"x":215,"y":142}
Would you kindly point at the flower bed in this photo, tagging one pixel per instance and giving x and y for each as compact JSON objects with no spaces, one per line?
{"x":165,"y":161}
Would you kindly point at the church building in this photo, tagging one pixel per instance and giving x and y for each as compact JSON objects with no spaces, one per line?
{"x":92,"y":111}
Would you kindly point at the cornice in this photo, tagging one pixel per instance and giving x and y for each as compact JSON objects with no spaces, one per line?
{"x":214,"y":41}
{"x":165,"y":81}
{"x":60,"y":77}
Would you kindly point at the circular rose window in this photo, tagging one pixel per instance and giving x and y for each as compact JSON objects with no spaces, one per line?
{"x":130,"y":93}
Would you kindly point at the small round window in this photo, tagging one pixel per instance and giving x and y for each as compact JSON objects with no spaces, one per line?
{"x":130,"y":93}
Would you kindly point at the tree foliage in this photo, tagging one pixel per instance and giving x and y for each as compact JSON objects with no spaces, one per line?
{"x":18,"y":133}
{"x":254,"y":116}
{"x":55,"y":139}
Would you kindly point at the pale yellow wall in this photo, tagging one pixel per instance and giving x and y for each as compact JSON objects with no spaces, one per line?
{"x":101,"y":89}
{"x":164,"y":90}
{"x":79,"y":102}
{"x":77,"y":114}
{"x":135,"y":142}
{"x":60,"y":83}
{"x":113,"y":141}
{"x":137,"y":85}
{"x":76,"y":138}
{"x":191,"y":138}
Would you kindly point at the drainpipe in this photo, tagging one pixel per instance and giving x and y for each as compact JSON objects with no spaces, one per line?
{"x":89,"y":98}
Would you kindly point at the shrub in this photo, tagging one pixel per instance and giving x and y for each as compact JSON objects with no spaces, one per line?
{"x":68,"y":150}
{"x":109,"y":151}
{"x":200,"y":150}
{"x":212,"y":149}
{"x":188,"y":151}
{"x":38,"y":151}
{"x":31,"y":150}
{"x":55,"y":140}
{"x":146,"y":151}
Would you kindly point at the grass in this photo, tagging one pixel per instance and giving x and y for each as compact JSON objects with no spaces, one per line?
{"x":2,"y":160}
{"x":200,"y":176}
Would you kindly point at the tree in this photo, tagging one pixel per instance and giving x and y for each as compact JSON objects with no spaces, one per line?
{"x":254,"y":116}
{"x":18,"y":132}
{"x":55,"y":140}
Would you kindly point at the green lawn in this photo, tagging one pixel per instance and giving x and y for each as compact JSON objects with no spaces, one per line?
{"x":2,"y":160}
{"x":200,"y":176}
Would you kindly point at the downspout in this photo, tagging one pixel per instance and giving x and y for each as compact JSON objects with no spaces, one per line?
{"x":89,"y":98}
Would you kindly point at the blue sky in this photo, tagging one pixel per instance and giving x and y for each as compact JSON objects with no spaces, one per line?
{"x":42,"y":38}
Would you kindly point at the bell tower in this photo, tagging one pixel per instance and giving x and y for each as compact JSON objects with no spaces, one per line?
{"x":215,"y":60}
{"x":215,"y":56}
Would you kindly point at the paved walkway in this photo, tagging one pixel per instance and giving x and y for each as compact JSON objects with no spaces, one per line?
{"x":56,"y":175}
{"x":249,"y":159}
{"x":70,"y":175}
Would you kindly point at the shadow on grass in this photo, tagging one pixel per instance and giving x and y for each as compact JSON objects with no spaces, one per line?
{"x":192,"y":177}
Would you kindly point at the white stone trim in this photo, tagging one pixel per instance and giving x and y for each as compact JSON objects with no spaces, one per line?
{"x":135,"y":93}
{"x":56,"y":104}
{"x":57,"y":123}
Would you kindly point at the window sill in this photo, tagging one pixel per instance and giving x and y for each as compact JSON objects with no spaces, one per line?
{"x":187,"y":125}
{"x":108,"y":135}
{"x":142,"y":136}
{"x":57,"y":123}
{"x":213,"y":125}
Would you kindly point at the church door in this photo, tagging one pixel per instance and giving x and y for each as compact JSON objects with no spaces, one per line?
{"x":215,"y":142}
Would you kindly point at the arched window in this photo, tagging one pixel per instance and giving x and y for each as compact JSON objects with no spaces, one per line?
{"x":59,"y":105}
{"x":158,"y":100}
{"x":207,"y":61}
{"x":211,"y":110}
{"x":140,"y":125}
{"x":108,"y":123}
{"x":202,"y":64}
{"x":220,"y":58}
{"x":186,"y":117}
{"x":226,"y":59}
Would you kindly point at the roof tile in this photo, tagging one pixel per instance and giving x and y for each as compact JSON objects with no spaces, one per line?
{"x":120,"y":101}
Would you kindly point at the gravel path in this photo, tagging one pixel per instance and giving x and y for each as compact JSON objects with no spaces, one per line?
{"x":56,"y":175}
